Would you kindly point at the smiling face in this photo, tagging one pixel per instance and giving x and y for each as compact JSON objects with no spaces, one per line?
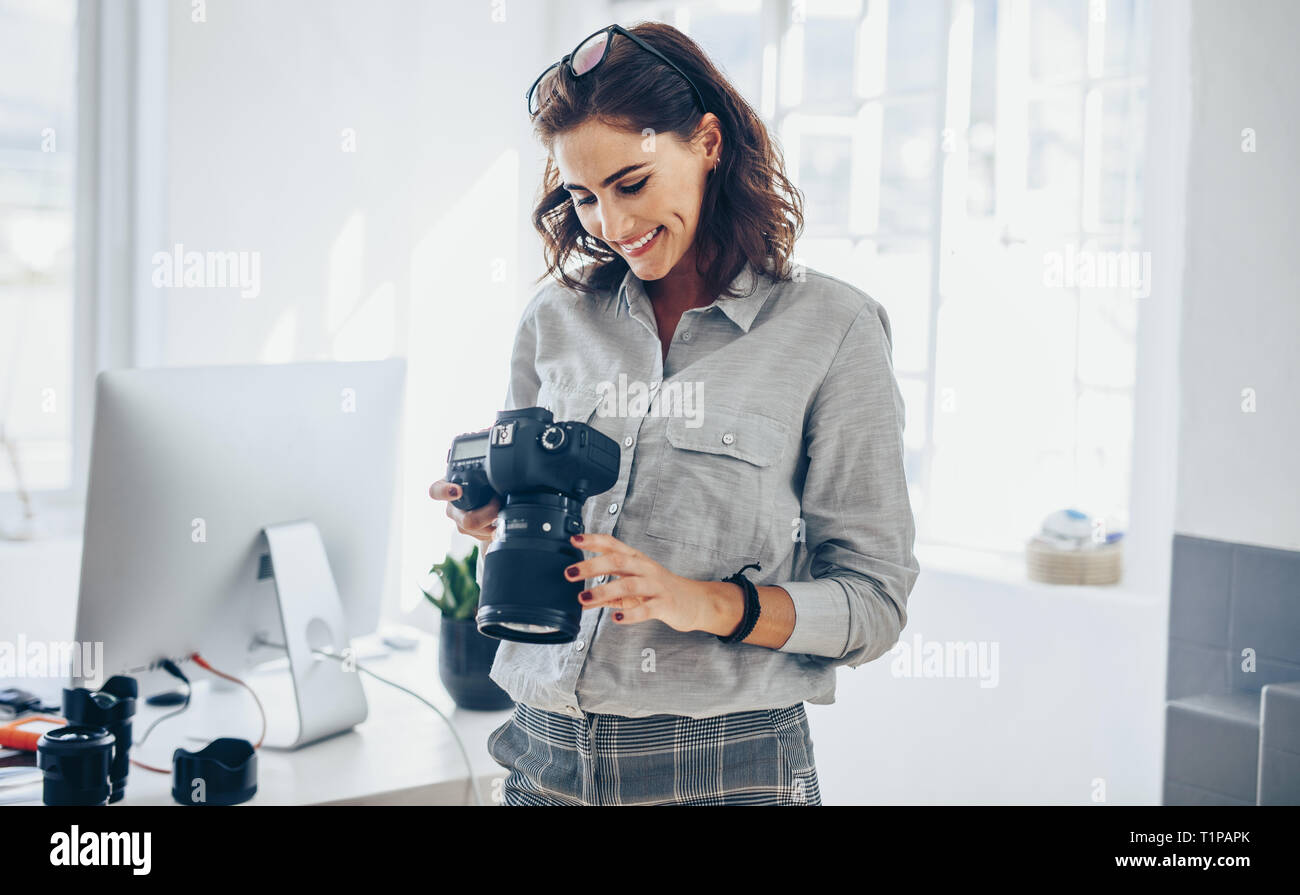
{"x":627,"y":187}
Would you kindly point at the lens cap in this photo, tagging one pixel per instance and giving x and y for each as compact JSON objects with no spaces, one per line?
{"x":224,"y":772}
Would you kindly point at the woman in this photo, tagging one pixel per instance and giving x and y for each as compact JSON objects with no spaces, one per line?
{"x":760,"y":429}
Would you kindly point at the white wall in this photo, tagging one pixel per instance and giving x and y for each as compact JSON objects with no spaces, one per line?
{"x":1077,"y":710}
{"x":1238,"y":478}
{"x":1082,"y":670}
{"x":418,"y":244}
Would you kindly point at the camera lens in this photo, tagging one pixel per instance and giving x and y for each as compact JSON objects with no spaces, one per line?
{"x":525,"y":596}
{"x":75,"y":761}
{"x":110,"y":707}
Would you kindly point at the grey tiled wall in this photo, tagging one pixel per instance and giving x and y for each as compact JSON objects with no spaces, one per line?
{"x":1226,"y":598}
{"x":1279,"y":746}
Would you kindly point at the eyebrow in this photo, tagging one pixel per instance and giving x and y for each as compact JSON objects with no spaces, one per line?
{"x":621,"y":172}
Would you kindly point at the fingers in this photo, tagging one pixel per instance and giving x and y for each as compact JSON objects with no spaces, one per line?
{"x":631,"y":615}
{"x":485,"y":534}
{"x":625,"y":596}
{"x":443,"y":490}
{"x":616,"y":558}
{"x":477,"y":520}
{"x":622,"y":566}
{"x":599,"y":543}
{"x":624,"y":593}
{"x":479,"y":523}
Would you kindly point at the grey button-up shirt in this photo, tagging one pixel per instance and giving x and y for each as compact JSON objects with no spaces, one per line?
{"x":773,"y":432}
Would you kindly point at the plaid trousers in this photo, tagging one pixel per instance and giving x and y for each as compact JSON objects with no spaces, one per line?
{"x":762,"y":757}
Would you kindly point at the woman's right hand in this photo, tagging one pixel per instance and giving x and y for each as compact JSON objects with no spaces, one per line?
{"x":480,"y":523}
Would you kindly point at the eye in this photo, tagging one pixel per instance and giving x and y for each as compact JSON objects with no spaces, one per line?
{"x":627,"y":190}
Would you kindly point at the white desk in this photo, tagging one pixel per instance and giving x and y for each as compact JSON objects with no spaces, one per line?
{"x":402,"y":754}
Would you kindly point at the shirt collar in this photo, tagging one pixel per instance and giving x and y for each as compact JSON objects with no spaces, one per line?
{"x":754,"y":289}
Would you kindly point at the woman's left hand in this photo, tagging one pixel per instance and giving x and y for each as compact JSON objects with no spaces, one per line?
{"x":642,"y":589}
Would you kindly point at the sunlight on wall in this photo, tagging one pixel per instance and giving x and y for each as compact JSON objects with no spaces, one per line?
{"x":465,"y":302}
{"x":369,"y":333}
{"x":282,"y":339}
{"x":347,"y":258}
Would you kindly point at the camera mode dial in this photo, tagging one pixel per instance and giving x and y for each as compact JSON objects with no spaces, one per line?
{"x":551,"y":438}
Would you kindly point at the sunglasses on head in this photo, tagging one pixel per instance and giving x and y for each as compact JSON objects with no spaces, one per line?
{"x":587,"y":57}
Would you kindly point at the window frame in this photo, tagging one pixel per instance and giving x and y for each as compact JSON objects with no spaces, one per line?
{"x":950,"y":95}
{"x":119,"y":218}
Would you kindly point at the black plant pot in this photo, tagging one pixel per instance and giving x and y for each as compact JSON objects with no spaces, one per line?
{"x":464,"y":660}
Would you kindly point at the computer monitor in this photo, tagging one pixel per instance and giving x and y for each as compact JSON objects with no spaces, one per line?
{"x":232,"y":507}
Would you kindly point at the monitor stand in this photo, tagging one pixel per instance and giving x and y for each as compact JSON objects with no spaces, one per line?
{"x":328,"y":695}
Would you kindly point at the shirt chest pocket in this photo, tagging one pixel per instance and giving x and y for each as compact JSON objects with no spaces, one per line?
{"x":718,"y":481}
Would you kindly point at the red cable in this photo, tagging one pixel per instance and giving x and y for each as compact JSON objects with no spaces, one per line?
{"x":203,"y":663}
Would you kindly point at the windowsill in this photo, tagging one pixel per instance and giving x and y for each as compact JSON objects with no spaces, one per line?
{"x":988,"y":564}
{"x":963,"y":565}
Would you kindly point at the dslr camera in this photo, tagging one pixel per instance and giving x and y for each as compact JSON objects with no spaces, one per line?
{"x":541,"y":472}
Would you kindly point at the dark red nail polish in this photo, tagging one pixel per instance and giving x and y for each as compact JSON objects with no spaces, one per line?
{"x":585,"y":596}
{"x":571,"y":571}
{"x":618,"y":616}
{"x":577,"y":539}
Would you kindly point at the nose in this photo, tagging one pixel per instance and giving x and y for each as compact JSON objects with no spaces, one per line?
{"x":615,"y":224}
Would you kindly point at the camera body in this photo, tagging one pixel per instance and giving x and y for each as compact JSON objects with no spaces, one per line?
{"x":542,"y":472}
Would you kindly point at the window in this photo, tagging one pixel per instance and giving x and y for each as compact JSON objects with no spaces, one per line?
{"x":38,"y":146}
{"x":975,"y":166}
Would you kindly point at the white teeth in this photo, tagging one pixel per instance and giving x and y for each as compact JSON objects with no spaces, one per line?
{"x":633,"y":246}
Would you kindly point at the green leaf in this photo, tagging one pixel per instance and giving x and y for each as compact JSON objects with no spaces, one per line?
{"x":467,"y":593}
{"x":472,"y":562}
{"x":460,"y":590}
{"x":439,"y":601}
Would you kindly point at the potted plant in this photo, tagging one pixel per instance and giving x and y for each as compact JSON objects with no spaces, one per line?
{"x":464,"y":655}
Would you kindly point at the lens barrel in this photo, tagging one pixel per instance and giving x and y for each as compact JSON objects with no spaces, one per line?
{"x":110,"y":707}
{"x":525,"y":566}
{"x":74,"y":761}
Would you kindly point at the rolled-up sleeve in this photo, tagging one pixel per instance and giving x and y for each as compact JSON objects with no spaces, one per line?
{"x":858,"y":523}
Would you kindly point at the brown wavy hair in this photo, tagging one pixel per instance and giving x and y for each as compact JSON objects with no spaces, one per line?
{"x":750,"y":210}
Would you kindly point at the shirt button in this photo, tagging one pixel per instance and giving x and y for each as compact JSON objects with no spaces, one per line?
{"x":627,"y":442}
{"x":728,"y":438}
{"x":613,"y":508}
{"x":579,"y":645}
{"x":686,"y":336}
{"x":571,"y":709}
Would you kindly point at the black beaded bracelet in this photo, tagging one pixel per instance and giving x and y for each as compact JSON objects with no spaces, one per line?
{"x":752,"y":607}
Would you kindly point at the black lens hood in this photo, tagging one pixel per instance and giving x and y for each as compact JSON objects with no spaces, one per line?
{"x":227,"y":768}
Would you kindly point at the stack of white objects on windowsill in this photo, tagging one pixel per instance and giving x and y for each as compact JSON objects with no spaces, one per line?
{"x":1073,"y":548}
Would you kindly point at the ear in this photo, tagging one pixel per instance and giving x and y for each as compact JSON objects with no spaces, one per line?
{"x":708,"y":139}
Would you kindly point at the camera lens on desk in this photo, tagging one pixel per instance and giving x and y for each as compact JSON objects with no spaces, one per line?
{"x":111,"y":707}
{"x":75,"y":761}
